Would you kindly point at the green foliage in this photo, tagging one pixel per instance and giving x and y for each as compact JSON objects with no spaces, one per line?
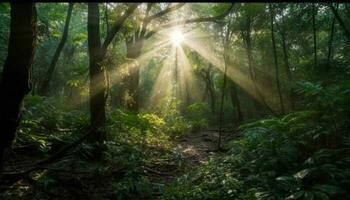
{"x":176,"y":124}
{"x":198,"y":115}
{"x":52,"y":114}
{"x":302,"y":155}
{"x":130,"y":187}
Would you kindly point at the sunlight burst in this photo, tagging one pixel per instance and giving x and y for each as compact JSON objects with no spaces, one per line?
{"x":177,"y":37}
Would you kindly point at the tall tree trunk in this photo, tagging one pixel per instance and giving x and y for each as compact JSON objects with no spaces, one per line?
{"x":314,"y":13}
{"x":225,"y":40}
{"x":340,"y":21}
{"x":275,"y":59}
{"x":330,"y":42}
{"x":15,"y":81}
{"x":211,"y":90}
{"x":132,"y":80}
{"x":222,"y":98}
{"x":248,"y":46}
{"x":97,"y":53}
{"x":44,"y":87}
{"x":106,"y":17}
{"x":97,"y":74}
{"x":235,"y":101}
{"x":188,"y":96}
{"x":288,"y":71}
{"x":206,"y":93}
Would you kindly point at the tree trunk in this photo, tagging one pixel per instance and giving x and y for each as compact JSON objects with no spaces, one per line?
{"x":210,"y":89}
{"x":235,"y":101}
{"x":106,"y":17}
{"x":222,"y":99}
{"x":188,"y":96}
{"x":15,"y":82}
{"x":97,"y":53}
{"x":330,"y":43}
{"x":43,"y":90}
{"x":132,"y":80}
{"x":276,"y":60}
{"x":288,"y":71}
{"x":247,"y":39}
{"x":248,"y":46}
{"x":97,"y":75}
{"x":205,"y":94}
{"x":314,"y":13}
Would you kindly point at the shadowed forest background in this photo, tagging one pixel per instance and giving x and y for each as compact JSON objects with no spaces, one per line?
{"x":175,"y":101}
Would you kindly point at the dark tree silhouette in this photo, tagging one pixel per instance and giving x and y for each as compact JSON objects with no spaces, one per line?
{"x":15,"y":81}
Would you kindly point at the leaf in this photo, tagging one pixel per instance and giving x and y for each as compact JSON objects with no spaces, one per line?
{"x":302,"y":174}
{"x":285,"y":178}
{"x":296,"y":195}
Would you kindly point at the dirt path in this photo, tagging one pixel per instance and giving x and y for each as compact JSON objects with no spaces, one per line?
{"x":194,"y":148}
{"x":198,"y":146}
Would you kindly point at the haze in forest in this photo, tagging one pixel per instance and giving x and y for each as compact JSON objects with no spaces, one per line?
{"x":174,"y":101}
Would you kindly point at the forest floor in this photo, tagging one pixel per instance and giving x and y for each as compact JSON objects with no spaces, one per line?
{"x":189,"y":151}
{"x":195,"y":148}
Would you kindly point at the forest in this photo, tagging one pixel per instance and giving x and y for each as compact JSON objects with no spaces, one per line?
{"x":175,"y":101}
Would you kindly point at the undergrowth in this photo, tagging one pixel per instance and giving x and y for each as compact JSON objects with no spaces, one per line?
{"x":302,"y":155}
{"x":135,"y":143}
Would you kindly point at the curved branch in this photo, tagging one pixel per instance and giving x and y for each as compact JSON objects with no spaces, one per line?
{"x":144,"y":22}
{"x":148,"y":19}
{"x":189,"y":21}
{"x":118,"y":24}
{"x":165,"y":11}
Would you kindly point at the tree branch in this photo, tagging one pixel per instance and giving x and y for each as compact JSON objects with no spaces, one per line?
{"x":145,"y":21}
{"x":189,"y":21}
{"x":117,"y":25}
{"x":148,"y":19}
{"x":165,"y":11}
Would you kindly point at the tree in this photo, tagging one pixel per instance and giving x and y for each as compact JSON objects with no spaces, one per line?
{"x":314,"y":13}
{"x":44,"y":87}
{"x":226,"y":34}
{"x":272,"y":16}
{"x":246,"y":31}
{"x":97,"y":53}
{"x":287,"y":68}
{"x":206,"y":75}
{"x":235,"y":101}
{"x":15,"y":81}
{"x":330,"y":42}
